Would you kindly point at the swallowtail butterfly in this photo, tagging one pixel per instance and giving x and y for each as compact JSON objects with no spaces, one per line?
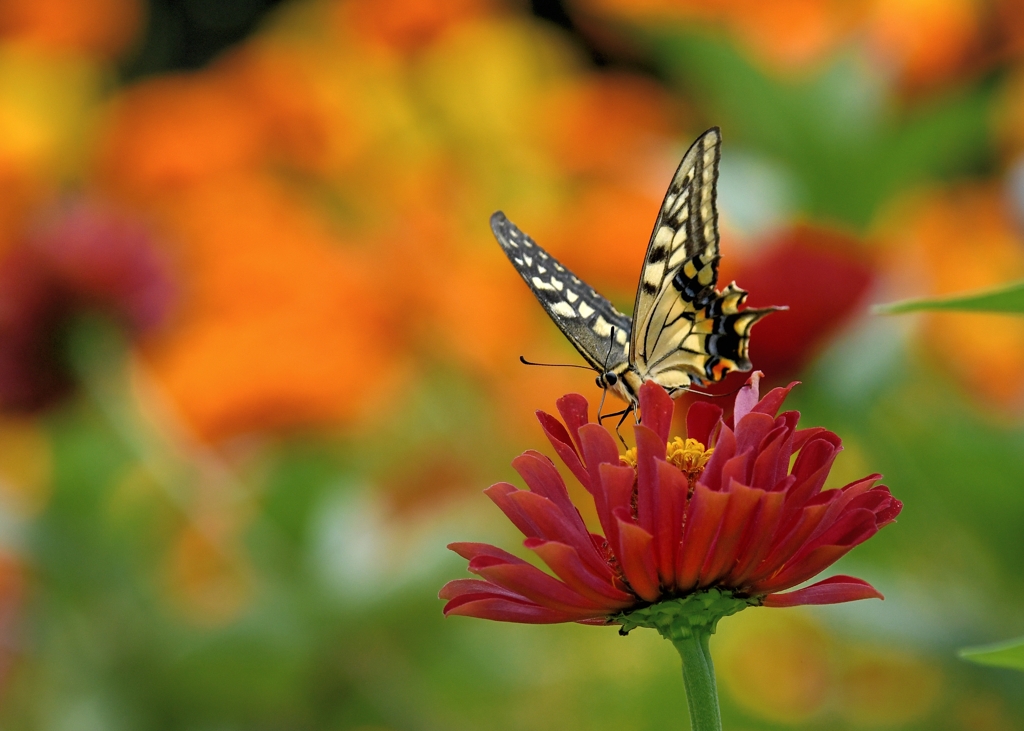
{"x":683,"y":331}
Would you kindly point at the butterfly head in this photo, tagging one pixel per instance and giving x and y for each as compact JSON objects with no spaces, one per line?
{"x":607,"y":380}
{"x":624,"y":382}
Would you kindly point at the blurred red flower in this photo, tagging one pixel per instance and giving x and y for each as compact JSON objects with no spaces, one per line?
{"x":738,"y":506}
{"x":82,"y":257}
{"x":817,"y":273}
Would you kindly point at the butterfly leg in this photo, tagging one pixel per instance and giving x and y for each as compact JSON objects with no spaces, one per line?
{"x":625,"y":414}
{"x":602,"y":417}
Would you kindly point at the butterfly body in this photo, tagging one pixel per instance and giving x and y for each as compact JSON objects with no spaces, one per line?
{"x":683,"y":331}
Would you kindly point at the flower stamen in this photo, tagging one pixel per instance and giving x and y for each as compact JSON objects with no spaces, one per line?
{"x":688,"y":456}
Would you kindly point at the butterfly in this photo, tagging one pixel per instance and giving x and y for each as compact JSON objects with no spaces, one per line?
{"x":683,"y":332}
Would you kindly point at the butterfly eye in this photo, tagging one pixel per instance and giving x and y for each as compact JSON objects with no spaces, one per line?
{"x":611,"y":379}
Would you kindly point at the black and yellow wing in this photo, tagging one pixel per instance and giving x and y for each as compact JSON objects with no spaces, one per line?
{"x":684,"y":330}
{"x":590,"y":322}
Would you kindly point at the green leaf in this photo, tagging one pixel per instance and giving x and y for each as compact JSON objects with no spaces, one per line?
{"x":1009,"y":654}
{"x":1008,"y":299}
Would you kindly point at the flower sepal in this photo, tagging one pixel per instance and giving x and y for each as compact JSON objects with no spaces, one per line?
{"x":681,"y":618}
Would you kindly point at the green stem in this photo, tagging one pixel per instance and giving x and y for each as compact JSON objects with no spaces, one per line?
{"x":699,"y":679}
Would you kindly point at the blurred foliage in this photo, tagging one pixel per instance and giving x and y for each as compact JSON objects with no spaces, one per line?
{"x":258,"y":351}
{"x":1007,"y":300}
{"x":1008,"y":654}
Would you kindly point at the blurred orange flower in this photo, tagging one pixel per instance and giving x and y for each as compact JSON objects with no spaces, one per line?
{"x":921,"y":42}
{"x":283,"y":327}
{"x":276,"y":88}
{"x":176,"y":130}
{"x":100,"y":28}
{"x":602,"y":123}
{"x":406,"y":25}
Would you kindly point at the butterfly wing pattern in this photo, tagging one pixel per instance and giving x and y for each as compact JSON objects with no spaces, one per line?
{"x":683,"y":330}
{"x":590,"y":322}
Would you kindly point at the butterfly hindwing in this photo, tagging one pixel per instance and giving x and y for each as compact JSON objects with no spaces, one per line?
{"x":590,"y":322}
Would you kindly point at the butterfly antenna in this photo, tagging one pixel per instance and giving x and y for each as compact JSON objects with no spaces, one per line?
{"x":524,"y":361}
{"x":611,"y":344}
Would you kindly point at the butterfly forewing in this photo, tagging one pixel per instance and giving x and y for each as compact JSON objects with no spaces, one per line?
{"x":680,"y":270}
{"x":588,"y":320}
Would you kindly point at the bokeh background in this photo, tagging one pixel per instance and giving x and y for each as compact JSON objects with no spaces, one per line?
{"x":258,"y":349}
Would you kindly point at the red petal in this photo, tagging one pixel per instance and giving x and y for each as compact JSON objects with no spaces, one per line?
{"x":772,"y":401}
{"x":669,"y":505}
{"x":598,"y":447}
{"x":743,"y":502}
{"x":469,"y":551}
{"x":810,"y":471}
{"x":799,"y":571}
{"x":833,"y":590}
{"x":505,"y":610}
{"x":463,"y":587}
{"x":566,"y":563}
{"x":703,"y":518}
{"x":747,"y":397}
{"x":553,"y":525}
{"x":575,"y":413}
{"x":792,"y":536}
{"x":841,"y":503}
{"x":725,"y":449}
{"x":636,"y":558}
{"x":802,"y":436}
{"x":701,"y":420}
{"x":735,"y":470}
{"x":819,"y":452}
{"x":537,"y":586}
{"x":650,"y":450}
{"x":500,"y":494}
{"x":772,"y":461}
{"x":656,"y":409}
{"x":757,"y":543}
{"x":616,"y":492}
{"x":853,"y":527}
{"x":540,"y":475}
{"x":564,"y":447}
{"x":752,"y":430}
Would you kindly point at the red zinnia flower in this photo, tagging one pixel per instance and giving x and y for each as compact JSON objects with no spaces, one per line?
{"x":726,"y":516}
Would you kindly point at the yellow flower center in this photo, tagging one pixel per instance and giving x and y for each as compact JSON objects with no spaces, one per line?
{"x":688,"y":455}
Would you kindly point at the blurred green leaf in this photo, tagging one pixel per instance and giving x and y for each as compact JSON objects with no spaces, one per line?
{"x":836,"y":129}
{"x":1009,"y":654}
{"x":1006,"y":300}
